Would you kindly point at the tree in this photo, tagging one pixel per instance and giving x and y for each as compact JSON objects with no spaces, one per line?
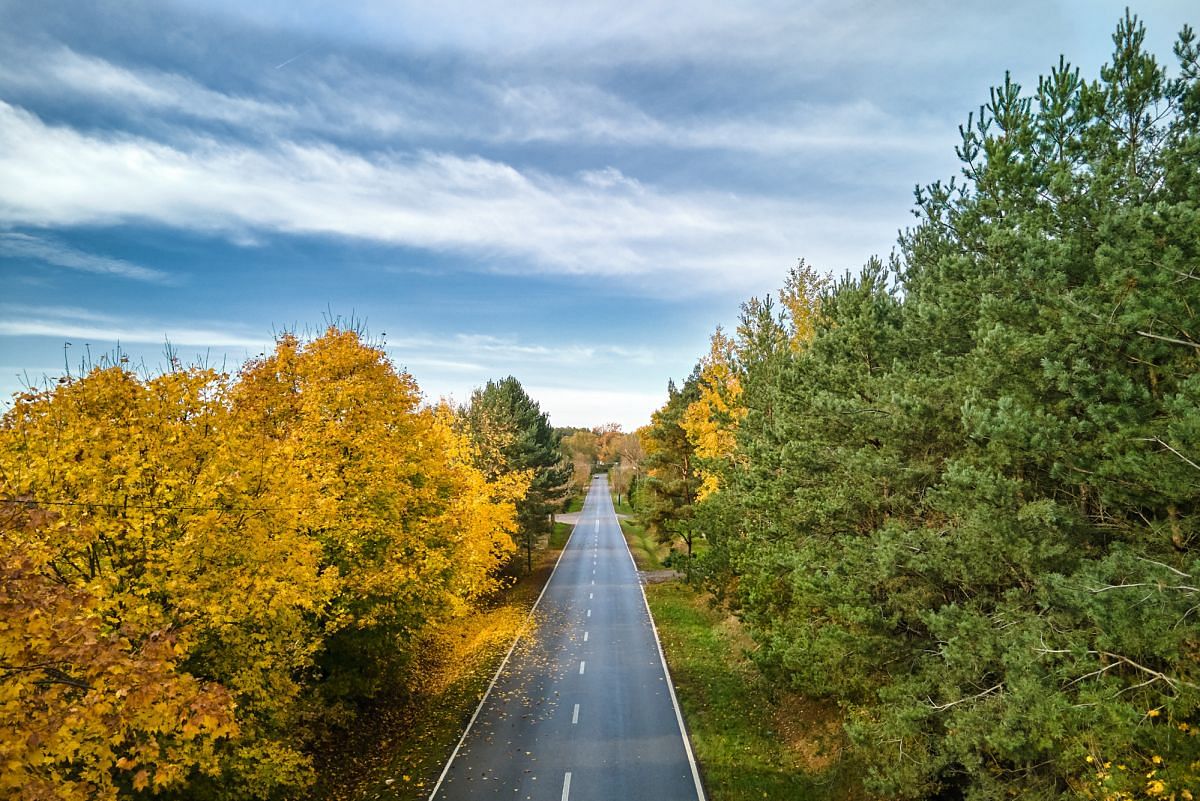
{"x":710,"y":422}
{"x":672,"y":480}
{"x":199,"y":573}
{"x":154,"y":537}
{"x":628,"y":457}
{"x":91,"y":710}
{"x":582,"y":449}
{"x":529,"y":446}
{"x":608,"y":439}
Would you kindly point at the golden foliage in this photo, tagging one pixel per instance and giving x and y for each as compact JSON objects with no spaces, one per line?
{"x":801,"y":301}
{"x":177,"y":551}
{"x":711,"y":421}
{"x":99,"y":706}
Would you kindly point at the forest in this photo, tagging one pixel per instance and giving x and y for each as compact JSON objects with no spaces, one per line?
{"x":955,"y":492}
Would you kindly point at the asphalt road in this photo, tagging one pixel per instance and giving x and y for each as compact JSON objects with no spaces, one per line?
{"x":583,"y":708}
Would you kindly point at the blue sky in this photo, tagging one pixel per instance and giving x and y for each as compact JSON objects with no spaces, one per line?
{"x":573,"y":193}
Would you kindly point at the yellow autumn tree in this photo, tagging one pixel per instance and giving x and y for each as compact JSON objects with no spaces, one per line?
{"x":711,"y":420}
{"x":90,"y":707}
{"x":197,"y":570}
{"x":801,"y":301}
{"x":149,"y":526}
{"x":385,"y":488}
{"x":481,"y":519}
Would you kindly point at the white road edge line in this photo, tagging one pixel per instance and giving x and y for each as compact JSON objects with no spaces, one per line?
{"x":575,"y":715}
{"x":500,"y":670}
{"x":566,"y":786}
{"x":687,"y":745}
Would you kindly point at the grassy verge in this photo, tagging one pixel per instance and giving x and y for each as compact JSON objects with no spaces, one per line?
{"x":558,"y":537}
{"x":574,"y":504}
{"x":751,"y":743}
{"x":623,"y":508}
{"x":647,"y":551}
{"x":398,"y":747}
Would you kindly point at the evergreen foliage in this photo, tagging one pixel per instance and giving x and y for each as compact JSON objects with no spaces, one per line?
{"x":963,"y":501}
{"x":667,"y":497}
{"x":520,"y":439}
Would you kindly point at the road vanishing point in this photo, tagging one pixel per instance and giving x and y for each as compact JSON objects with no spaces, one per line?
{"x":582,"y":709}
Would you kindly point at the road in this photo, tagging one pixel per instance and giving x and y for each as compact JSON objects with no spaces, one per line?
{"x":583,"y":708}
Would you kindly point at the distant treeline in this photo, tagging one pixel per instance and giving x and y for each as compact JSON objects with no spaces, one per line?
{"x":201,"y":575}
{"x":959,"y":491}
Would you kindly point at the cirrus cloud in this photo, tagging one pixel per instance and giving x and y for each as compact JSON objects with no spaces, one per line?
{"x":590,"y":223}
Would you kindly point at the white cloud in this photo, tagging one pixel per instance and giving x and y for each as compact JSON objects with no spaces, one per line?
{"x":583,"y":407}
{"x":446,"y":365}
{"x":574,"y":113}
{"x":825,"y":34}
{"x":64,"y":71}
{"x":80,"y":325}
{"x":54,"y":175}
{"x":451,"y":366}
{"x":332,"y":103}
{"x":487,"y":355}
{"x":26,"y":246}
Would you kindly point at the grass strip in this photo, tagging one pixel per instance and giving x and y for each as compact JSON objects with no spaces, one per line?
{"x":750,"y":743}
{"x":623,"y":508}
{"x":647,"y":551}
{"x":559,"y":536}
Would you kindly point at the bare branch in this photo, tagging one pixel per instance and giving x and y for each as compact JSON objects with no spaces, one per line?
{"x":1151,"y":671}
{"x":1093,"y":673}
{"x":1178,"y":587}
{"x":1172,"y":340}
{"x":1164,"y":564}
{"x":1118,"y":587}
{"x":988,"y":691}
{"x":1172,"y":450}
{"x":50,"y":674}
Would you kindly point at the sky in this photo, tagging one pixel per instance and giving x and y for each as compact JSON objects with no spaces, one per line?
{"x":576,"y":194}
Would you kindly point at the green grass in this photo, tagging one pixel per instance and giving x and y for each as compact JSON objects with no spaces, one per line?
{"x":747,"y":746}
{"x":574,"y":504}
{"x":623,"y":508}
{"x":647,"y":551}
{"x":558,"y":537}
